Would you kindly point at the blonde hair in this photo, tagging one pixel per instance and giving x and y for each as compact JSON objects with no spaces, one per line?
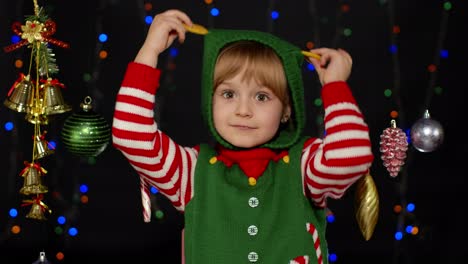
{"x":256,"y":62}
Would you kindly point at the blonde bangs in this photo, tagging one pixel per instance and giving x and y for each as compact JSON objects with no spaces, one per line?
{"x":256,"y":62}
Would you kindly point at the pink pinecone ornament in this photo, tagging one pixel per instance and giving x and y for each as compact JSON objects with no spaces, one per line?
{"x":393,"y":146}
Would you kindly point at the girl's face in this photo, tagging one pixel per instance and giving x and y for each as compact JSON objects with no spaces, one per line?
{"x":245,"y":113}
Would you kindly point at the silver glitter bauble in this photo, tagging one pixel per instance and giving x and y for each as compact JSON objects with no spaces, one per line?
{"x":427,"y":134}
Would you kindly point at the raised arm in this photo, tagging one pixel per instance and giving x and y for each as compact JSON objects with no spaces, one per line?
{"x":158,"y":160}
{"x":332,"y":164}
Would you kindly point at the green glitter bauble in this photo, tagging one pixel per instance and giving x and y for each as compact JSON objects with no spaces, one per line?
{"x":85,"y":133}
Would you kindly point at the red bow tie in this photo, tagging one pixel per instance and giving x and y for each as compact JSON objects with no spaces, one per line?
{"x":252,"y":162}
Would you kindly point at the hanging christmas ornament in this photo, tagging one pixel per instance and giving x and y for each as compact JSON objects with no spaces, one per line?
{"x":41,"y":147}
{"x":53,"y":102}
{"x":38,"y":207}
{"x":367,"y":205}
{"x":32,"y":174}
{"x":37,"y":94}
{"x":36,"y":115}
{"x":427,"y":134}
{"x":85,"y":133}
{"x":20,"y":95}
{"x":41,"y":259}
{"x":393,"y":146}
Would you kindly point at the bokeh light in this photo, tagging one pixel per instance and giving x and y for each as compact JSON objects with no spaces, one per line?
{"x":83,"y":188}
{"x":73,"y":231}
{"x":103,"y":37}
{"x":16,"y":229}
{"x":214,"y":12}
{"x":61,"y":220}
{"x":274,"y":15}
{"x":59,"y":256}
{"x":9,"y":126}
{"x":398,"y":235}
{"x":13,"y":212}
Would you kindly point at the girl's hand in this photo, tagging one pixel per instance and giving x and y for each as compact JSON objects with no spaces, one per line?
{"x":164,"y":29}
{"x":334,"y":65}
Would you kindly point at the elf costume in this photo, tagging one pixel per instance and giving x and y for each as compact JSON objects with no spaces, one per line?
{"x":262,"y":205}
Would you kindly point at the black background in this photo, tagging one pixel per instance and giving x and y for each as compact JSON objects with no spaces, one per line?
{"x":111,"y":226}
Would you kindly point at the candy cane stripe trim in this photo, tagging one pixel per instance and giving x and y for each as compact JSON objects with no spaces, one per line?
{"x":312,"y":230}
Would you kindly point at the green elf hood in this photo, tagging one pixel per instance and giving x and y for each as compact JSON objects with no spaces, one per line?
{"x":292,"y":59}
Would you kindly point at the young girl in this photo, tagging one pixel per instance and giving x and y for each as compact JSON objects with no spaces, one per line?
{"x":260,"y":194}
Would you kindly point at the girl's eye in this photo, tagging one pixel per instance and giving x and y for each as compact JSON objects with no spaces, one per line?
{"x":227,"y":94}
{"x":261,"y":97}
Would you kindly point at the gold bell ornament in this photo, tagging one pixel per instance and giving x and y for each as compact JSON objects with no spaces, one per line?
{"x":367,"y":205}
{"x":20,"y":95}
{"x":48,"y":100}
{"x":53,"y":101}
{"x":38,"y":208}
{"x":38,"y":95}
{"x":36,"y":116}
{"x":41,"y":147}
{"x":32,"y":179}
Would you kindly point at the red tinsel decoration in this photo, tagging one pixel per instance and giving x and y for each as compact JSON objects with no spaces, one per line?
{"x":49,"y":30}
{"x":393,"y":146}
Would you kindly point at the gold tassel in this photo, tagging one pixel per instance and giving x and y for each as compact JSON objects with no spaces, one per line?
{"x":367,"y":205}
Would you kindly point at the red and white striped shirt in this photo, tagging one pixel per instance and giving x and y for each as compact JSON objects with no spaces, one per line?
{"x":329,"y":165}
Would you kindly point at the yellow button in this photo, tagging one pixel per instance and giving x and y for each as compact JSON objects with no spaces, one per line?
{"x":252,"y":181}
{"x":213,"y":160}
{"x":286,"y":159}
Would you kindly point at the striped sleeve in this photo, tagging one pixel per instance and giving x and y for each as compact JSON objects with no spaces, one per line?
{"x":157,"y":159}
{"x":332,"y":164}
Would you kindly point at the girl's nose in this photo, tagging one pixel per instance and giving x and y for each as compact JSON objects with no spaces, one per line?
{"x":243,"y":108}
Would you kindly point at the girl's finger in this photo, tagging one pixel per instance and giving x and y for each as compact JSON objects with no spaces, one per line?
{"x":175,"y":26}
{"x":181,"y":16}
